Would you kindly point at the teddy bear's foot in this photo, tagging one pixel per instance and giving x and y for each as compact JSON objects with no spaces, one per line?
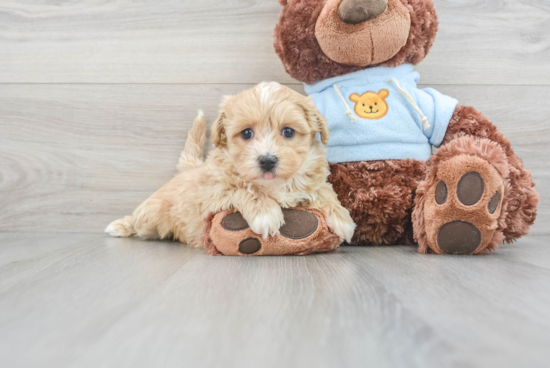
{"x":462,"y":205}
{"x":304,"y":232}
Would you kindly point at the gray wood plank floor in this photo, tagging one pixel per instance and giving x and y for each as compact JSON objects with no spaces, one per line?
{"x":87,"y":300}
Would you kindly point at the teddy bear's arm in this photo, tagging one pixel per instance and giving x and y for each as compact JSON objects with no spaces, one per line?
{"x":467,"y":120}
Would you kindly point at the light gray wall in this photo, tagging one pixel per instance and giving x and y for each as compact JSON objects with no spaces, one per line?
{"x":96,"y":96}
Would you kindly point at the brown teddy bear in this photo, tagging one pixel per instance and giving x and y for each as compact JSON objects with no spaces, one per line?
{"x":356,"y":60}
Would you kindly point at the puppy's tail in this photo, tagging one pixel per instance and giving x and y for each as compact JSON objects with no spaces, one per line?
{"x":192,"y":155}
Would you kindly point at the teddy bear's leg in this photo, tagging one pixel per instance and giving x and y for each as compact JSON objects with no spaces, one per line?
{"x":379,"y":196}
{"x":476,"y":193}
{"x":305,"y":231}
{"x":460,"y":203}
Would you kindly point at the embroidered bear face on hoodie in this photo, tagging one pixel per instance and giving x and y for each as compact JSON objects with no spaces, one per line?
{"x":380,"y":114}
{"x":371,"y":105}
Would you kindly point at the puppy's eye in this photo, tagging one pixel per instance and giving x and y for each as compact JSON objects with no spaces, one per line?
{"x":288,"y":132}
{"x":376,"y":103}
{"x":247,"y":134}
{"x":363,"y":104}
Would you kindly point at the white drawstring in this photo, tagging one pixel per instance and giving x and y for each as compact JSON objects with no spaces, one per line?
{"x":408,"y":97}
{"x":349,"y":113}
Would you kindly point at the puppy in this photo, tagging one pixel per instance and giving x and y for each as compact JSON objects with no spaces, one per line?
{"x":268,"y":155}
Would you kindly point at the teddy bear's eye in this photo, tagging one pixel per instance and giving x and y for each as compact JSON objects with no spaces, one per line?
{"x":376,"y":103}
{"x":363,"y":104}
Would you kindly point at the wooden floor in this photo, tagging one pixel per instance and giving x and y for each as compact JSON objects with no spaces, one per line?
{"x":87,"y":300}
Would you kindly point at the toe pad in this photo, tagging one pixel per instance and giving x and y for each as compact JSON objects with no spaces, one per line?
{"x":470,"y":188}
{"x":458,"y":237}
{"x":298,"y":224}
{"x":493,"y":203}
{"x":234,"y":222}
{"x":441,"y":192}
{"x":249,"y":246}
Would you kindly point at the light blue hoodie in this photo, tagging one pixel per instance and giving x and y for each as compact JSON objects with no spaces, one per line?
{"x":382,"y":124}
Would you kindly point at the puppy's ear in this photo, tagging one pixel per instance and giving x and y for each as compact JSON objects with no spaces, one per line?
{"x":218,"y":131}
{"x":323,"y":129}
{"x":283,"y":2}
{"x":218,"y":128}
{"x":317,"y":121}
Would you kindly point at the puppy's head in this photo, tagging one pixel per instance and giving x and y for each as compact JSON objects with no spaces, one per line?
{"x":269,"y":132}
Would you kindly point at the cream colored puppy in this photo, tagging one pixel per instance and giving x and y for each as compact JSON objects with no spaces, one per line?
{"x":267,"y":156}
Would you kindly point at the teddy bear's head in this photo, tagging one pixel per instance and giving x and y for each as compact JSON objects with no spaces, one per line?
{"x":319,"y":39}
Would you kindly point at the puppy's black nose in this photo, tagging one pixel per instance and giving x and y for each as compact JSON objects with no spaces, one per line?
{"x":268,"y":162}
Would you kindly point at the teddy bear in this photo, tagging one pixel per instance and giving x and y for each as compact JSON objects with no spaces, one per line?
{"x":356,"y":59}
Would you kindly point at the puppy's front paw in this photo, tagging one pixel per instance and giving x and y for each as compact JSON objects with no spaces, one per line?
{"x":268,"y":224}
{"x":343,"y":226}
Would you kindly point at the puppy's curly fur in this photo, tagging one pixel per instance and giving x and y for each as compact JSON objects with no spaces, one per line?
{"x":233,"y":177}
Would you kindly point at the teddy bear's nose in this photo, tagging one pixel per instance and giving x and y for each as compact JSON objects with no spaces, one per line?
{"x":359,"y":11}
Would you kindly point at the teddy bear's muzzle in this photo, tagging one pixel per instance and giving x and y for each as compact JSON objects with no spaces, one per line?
{"x":345,"y":35}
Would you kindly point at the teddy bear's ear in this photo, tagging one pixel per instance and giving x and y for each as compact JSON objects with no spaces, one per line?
{"x":218,"y":128}
{"x":383,"y":93}
{"x":354,"y":97}
{"x":283,"y":2}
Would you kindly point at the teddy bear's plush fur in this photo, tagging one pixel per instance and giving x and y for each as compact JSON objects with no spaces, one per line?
{"x":442,"y":201}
